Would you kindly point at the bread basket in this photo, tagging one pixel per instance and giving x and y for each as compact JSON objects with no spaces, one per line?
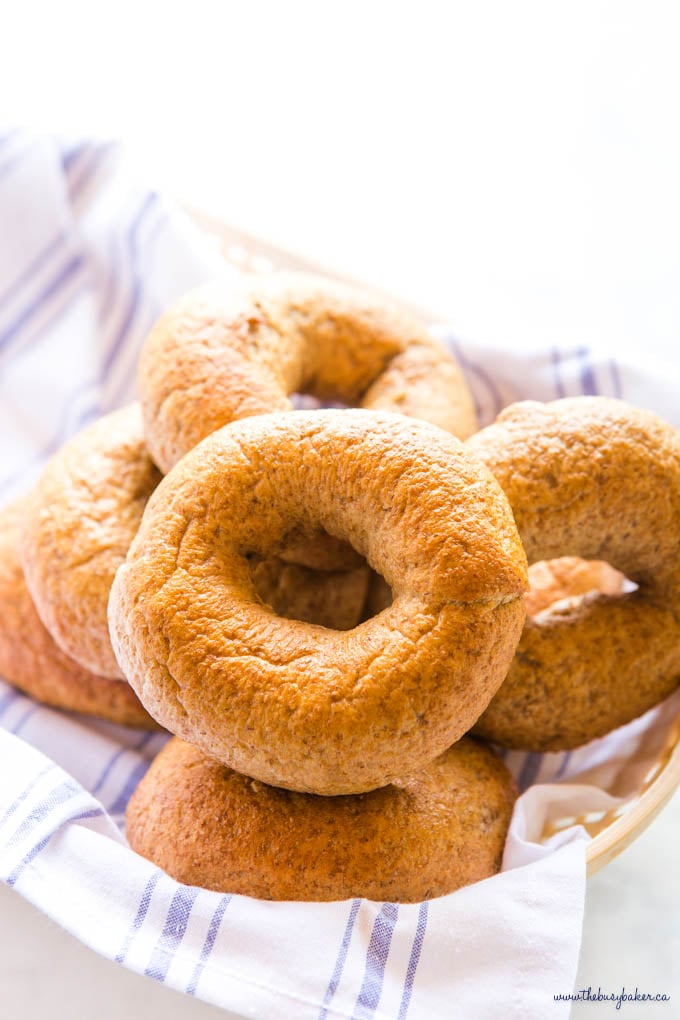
{"x":612,"y":830}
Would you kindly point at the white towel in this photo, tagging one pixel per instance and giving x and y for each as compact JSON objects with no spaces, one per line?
{"x":87,"y":261}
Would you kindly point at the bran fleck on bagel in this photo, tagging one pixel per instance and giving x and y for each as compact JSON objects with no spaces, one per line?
{"x":432,"y":831}
{"x":290,"y":703}
{"x":221,"y":354}
{"x":594,"y":478}
{"x":31,"y":661}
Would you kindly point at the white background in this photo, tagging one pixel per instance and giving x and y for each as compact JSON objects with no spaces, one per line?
{"x":512,"y":166}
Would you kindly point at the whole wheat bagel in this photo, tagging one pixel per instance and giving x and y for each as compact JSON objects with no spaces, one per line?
{"x":598,"y":479}
{"x":221,"y":354}
{"x":79,"y":523}
{"x":439,"y":828}
{"x":31,"y":660}
{"x":294,"y":704}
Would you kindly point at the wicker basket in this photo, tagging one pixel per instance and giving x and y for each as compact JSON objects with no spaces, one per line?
{"x":613,"y":830}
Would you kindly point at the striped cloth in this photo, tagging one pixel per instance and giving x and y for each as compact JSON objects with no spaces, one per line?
{"x":87,"y":262}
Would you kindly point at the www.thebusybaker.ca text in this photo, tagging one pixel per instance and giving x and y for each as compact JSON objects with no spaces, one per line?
{"x":588,"y":995}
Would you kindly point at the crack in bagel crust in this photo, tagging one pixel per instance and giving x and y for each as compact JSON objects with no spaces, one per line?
{"x":256,"y":689}
{"x":598,"y":479}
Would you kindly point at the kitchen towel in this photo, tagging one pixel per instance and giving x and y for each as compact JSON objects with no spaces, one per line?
{"x":88,"y":260}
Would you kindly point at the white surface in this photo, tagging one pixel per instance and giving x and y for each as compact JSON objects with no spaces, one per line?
{"x":631,"y":934}
{"x":513,"y":165}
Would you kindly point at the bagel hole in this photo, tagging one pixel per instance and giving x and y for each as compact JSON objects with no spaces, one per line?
{"x":315,"y":577}
{"x":570,"y":580}
{"x":319,"y":580}
{"x":379,"y":596}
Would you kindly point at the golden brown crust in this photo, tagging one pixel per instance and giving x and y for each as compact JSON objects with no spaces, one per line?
{"x":440,"y":828}
{"x":216,"y":667}
{"x":79,"y":523}
{"x":219,"y":355}
{"x":31,"y":660}
{"x":598,"y":479}
{"x":569,"y":577}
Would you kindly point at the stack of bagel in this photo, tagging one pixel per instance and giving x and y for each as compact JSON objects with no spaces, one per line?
{"x":329,"y":609}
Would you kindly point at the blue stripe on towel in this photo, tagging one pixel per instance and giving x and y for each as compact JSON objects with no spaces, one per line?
{"x":64,"y":274}
{"x":40,"y":846}
{"x":340,"y":960}
{"x":44,"y":255}
{"x":588,"y":381}
{"x":140,"y":916}
{"x":106,"y":772}
{"x":70,"y":155}
{"x":207,"y":948}
{"x":416,"y":949}
{"x":16,"y":158}
{"x":134,"y":777}
{"x":173,"y":932}
{"x":16,"y":804}
{"x":149,"y":202}
{"x":376,"y":960}
{"x":8,"y":698}
{"x":28,"y":714}
{"x":89,"y":170}
{"x":529,"y":771}
{"x":57,"y":796}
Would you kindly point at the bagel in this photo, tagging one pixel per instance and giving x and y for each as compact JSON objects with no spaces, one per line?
{"x":552,"y":581}
{"x":79,"y":524}
{"x":31,"y":661}
{"x":441,"y":827}
{"x":287,"y":702}
{"x":222,"y":354}
{"x":598,"y":479}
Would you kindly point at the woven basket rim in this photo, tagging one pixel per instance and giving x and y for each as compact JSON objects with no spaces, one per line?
{"x":638,"y":811}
